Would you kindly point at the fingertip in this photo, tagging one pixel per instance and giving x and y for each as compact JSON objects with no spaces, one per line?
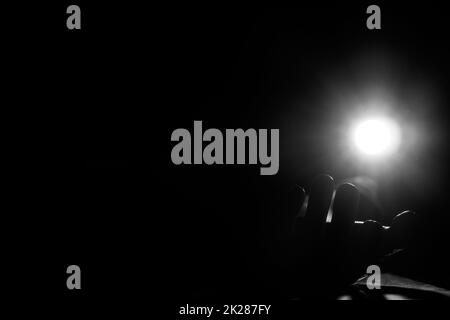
{"x":347,"y":193}
{"x":348,"y":187}
{"x":344,"y":212}
{"x":403,"y":229}
{"x":322,"y":181}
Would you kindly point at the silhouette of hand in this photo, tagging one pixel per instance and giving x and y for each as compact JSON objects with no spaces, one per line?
{"x":331,"y":251}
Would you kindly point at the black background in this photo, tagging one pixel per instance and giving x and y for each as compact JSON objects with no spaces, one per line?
{"x":93,"y":111}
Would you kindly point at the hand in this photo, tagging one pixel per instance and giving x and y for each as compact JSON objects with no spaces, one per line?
{"x":330,"y":250}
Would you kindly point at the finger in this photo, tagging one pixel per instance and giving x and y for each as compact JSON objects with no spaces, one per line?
{"x":403,"y":230}
{"x":371,"y":241}
{"x":319,"y":203}
{"x":345,"y":208}
{"x":309,"y":236}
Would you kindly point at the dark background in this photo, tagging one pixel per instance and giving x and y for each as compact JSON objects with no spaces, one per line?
{"x":94,"y":110}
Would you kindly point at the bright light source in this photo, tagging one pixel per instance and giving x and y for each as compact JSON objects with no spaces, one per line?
{"x":376,"y":137}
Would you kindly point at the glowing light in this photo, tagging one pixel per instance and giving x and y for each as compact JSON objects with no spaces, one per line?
{"x":376,"y":137}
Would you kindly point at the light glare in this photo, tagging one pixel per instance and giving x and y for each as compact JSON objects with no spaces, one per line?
{"x":376,"y":137}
